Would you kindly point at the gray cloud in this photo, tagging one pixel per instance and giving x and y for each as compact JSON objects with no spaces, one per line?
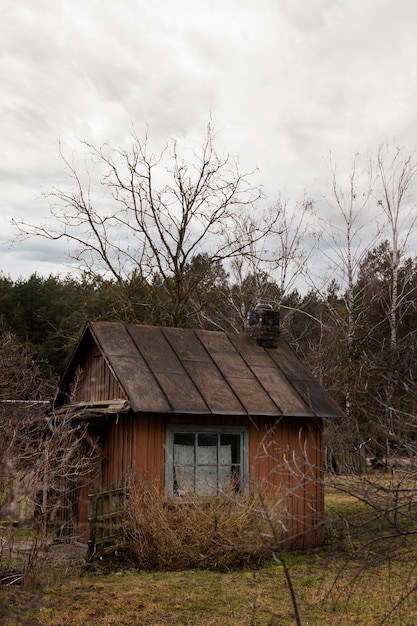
{"x":284,"y":81}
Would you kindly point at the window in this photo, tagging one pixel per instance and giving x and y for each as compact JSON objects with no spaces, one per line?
{"x":205,"y":461}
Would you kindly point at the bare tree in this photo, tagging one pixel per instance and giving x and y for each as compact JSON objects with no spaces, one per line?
{"x":349,"y":232}
{"x":21,"y":393}
{"x":272,"y":266}
{"x":157,"y":213}
{"x":397,"y":172}
{"x":290,"y":244}
{"x":43,"y":457}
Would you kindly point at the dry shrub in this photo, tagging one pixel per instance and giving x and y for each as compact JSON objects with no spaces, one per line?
{"x":221,"y":532}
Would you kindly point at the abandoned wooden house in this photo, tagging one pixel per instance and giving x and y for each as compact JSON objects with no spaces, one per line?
{"x":202,"y":411}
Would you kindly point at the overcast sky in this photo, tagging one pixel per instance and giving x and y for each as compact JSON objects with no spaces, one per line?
{"x":285,"y":81}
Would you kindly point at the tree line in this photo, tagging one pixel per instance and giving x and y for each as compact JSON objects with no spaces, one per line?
{"x":189,"y":241}
{"x":374,"y":379}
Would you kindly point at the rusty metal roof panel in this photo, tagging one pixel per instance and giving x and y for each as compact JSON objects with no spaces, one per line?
{"x":181,"y":393}
{"x":194,"y":371}
{"x":113,"y":338}
{"x":155,"y":349}
{"x":304,"y":382}
{"x":238,"y":374}
{"x":216,"y":392}
{"x":316,"y":398}
{"x":283,"y":393}
{"x":276,"y":385}
{"x":129,"y":367}
{"x":186,"y":345}
{"x":289,"y":363}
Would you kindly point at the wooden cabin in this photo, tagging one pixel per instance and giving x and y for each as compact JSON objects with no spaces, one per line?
{"x":201,"y":411}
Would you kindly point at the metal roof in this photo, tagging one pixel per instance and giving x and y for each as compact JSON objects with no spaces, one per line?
{"x":176,"y":370}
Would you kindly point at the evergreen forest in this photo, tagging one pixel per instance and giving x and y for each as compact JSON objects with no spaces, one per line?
{"x":369,"y":367}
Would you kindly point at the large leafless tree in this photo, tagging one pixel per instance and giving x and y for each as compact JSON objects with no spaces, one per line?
{"x":152,"y":214}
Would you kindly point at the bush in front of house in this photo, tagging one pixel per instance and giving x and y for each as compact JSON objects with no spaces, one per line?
{"x":224,"y":531}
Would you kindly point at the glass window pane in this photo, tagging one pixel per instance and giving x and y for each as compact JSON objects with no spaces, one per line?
{"x":225,"y":478}
{"x":207,"y":449}
{"x":184,"y":439}
{"x":233,"y":441}
{"x":204,"y":462}
{"x":207,"y":439}
{"x":207,"y":455}
{"x":229,"y":471}
{"x":184,"y":480}
{"x":207,"y":482}
{"x":183,"y":455}
{"x":230,"y":478}
{"x":184,"y":463}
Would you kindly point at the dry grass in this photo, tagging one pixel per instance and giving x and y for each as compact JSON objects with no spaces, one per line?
{"x":209,"y":598}
{"x":223,"y":532}
{"x":365,"y":574}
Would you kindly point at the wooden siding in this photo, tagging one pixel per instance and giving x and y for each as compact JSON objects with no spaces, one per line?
{"x":97,"y":381}
{"x":285,"y":454}
{"x":288,"y":455}
{"x":144,"y":365}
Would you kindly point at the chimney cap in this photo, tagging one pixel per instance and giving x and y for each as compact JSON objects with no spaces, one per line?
{"x":263,"y":325}
{"x":262,"y":306}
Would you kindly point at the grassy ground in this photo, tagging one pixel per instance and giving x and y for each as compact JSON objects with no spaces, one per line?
{"x":364,"y":574}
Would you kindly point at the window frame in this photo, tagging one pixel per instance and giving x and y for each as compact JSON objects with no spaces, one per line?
{"x":172,"y":429}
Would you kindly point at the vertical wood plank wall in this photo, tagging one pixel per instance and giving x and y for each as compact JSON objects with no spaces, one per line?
{"x":97,"y":381}
{"x":286,"y":456}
